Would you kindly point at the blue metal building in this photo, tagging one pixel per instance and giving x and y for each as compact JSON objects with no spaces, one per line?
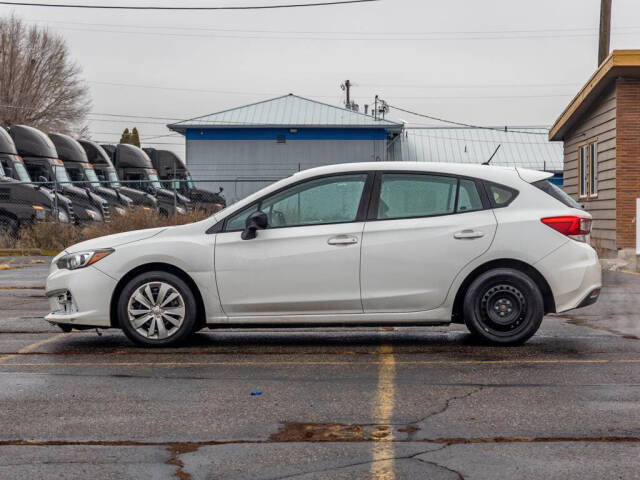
{"x":249,"y":147}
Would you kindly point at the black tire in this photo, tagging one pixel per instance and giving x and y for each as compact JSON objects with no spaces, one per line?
{"x":186,"y":300}
{"x":503,"y":306}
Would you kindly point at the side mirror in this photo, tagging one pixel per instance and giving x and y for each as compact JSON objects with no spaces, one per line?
{"x":152,"y":190}
{"x":256,"y":221}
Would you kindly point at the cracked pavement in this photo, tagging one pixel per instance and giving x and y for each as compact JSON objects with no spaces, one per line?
{"x":564,"y":405}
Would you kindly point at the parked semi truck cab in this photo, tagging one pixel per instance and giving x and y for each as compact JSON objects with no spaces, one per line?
{"x":42,"y":162}
{"x":174,"y":175}
{"x":136,"y":171}
{"x":81,"y":171}
{"x":22,"y":202}
{"x":108,"y":177}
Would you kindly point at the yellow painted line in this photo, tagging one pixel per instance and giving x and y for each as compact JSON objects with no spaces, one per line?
{"x":311,"y":363}
{"x":382,"y":467}
{"x":32,"y":347}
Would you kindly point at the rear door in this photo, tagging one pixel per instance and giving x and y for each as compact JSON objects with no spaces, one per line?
{"x":422,"y":229}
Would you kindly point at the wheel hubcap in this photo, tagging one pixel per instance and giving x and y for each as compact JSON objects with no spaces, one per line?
{"x":156,"y":310}
{"x":503,"y":309}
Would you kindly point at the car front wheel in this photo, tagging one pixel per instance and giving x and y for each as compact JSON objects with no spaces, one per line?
{"x":157,"y":309}
{"x":503,"y":306}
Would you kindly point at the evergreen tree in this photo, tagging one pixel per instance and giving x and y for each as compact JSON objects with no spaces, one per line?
{"x":126,"y":136}
{"x":134,"y":139}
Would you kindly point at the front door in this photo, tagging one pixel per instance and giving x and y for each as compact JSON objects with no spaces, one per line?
{"x":424,"y":229}
{"x":307,"y":261}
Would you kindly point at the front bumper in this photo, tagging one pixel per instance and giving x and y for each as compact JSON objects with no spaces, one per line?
{"x":573,"y":272}
{"x":79,"y":297}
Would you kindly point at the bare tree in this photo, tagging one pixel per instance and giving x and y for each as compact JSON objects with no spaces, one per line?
{"x":39,"y":84}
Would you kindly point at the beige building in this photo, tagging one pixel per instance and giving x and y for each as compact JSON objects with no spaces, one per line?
{"x":600,"y":129}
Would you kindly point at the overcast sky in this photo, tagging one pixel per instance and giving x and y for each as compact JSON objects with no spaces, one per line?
{"x":491,"y":62}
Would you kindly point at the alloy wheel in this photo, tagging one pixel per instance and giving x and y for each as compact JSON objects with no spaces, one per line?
{"x":156,"y":310}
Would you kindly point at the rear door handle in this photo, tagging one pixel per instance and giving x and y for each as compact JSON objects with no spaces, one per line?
{"x":468,"y":234}
{"x":342,"y":240}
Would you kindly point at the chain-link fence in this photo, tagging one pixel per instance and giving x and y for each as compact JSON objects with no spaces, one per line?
{"x":50,"y":215}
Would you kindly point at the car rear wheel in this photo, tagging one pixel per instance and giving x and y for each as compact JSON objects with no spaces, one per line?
{"x":503,"y":306}
{"x":157,"y":309}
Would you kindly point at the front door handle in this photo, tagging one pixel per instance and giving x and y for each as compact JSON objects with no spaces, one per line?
{"x":468,"y":234}
{"x":342,"y":240}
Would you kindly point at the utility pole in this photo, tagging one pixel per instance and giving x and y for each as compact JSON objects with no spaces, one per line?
{"x":347,"y":87}
{"x":605,"y":30}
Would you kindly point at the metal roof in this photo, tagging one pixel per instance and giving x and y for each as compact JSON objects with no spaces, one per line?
{"x":286,"y":111}
{"x":521,"y":147}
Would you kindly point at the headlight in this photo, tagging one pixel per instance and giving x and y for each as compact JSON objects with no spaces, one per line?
{"x":74,"y":261}
{"x":180,"y":210}
{"x":63,"y":217}
{"x":39,"y":211}
{"x":92,"y":214}
{"x":121,"y":211}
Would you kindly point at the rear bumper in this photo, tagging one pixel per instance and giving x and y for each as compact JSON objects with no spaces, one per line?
{"x":573,"y":273}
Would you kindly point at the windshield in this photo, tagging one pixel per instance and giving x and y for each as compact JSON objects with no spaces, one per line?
{"x":61,"y":174}
{"x":92,"y":177}
{"x":113,"y":179}
{"x":155,"y":181}
{"x":21,"y":172}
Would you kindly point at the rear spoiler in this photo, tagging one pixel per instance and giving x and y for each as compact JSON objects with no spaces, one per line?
{"x":531,"y":176}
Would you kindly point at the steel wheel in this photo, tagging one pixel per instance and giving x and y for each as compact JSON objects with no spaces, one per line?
{"x":156,"y":310}
{"x":503,"y":306}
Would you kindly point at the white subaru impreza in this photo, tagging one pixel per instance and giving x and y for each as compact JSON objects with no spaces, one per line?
{"x":385,"y":243}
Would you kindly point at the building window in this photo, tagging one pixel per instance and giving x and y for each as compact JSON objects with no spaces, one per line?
{"x":588,"y":170}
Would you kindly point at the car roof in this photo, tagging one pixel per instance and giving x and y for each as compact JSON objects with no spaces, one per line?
{"x":484,"y":172}
{"x":503,"y":175}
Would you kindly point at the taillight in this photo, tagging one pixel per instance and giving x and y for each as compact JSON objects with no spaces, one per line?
{"x":571,"y":226}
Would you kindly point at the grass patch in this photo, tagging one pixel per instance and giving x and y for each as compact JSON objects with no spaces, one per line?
{"x":50,"y":238}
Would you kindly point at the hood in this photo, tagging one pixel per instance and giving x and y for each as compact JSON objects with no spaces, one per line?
{"x":113,"y":241}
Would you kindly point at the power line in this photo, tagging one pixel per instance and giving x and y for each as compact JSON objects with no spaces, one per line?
{"x":155,"y":7}
{"x":461,"y":124}
{"x":338,"y":32}
{"x":362,"y":39}
{"x":197,"y":90}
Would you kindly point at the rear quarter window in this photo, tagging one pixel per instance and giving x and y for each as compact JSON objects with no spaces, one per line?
{"x":499,"y":195}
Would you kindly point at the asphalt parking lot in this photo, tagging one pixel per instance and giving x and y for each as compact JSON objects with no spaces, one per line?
{"x":334,"y":403}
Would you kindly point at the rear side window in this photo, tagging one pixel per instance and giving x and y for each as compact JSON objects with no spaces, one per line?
{"x":468,"y":197}
{"x":556,"y":192}
{"x":500,"y":195}
{"x":409,"y":195}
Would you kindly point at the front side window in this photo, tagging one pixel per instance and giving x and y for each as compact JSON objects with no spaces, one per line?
{"x":325,"y":200}
{"x":61,"y":174}
{"x":90,"y":173}
{"x":155,"y":181}
{"x":588,"y":170}
{"x":21,"y":172}
{"x":37,"y":172}
{"x":238,"y":220}
{"x":406,"y":195}
{"x":112,"y":177}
